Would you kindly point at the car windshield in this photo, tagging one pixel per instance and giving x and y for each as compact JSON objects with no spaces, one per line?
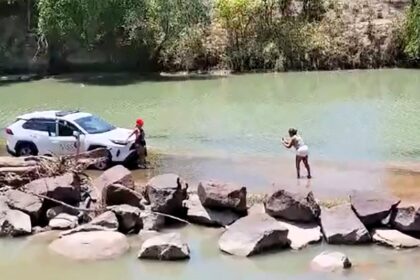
{"x":93,"y":125}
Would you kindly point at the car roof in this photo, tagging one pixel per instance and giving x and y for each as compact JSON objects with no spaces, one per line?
{"x":54,"y":114}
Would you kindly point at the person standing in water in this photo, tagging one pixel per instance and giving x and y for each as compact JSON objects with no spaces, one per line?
{"x":140,"y":142}
{"x":302,"y":151}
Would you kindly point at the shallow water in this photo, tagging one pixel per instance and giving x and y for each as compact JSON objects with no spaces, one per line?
{"x":362,"y":128}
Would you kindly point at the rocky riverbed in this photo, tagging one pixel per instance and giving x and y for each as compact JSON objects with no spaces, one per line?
{"x":95,"y":219}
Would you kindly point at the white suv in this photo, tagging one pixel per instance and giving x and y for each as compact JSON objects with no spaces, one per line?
{"x":58,"y":132}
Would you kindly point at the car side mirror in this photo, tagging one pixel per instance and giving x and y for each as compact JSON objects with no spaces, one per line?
{"x":76,"y":134}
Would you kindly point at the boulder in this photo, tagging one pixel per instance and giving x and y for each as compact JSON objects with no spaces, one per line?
{"x":114,"y":175}
{"x":14,"y":223}
{"x":166,"y":193}
{"x":94,"y":245}
{"x":63,"y":221}
{"x":372,"y":208}
{"x":65,"y":188}
{"x":107,"y":219}
{"x":128,"y":218}
{"x":330,"y":261}
{"x":222,"y":196}
{"x":197,"y":213}
{"x":293,"y":206}
{"x":85,"y":228}
{"x":56,"y":210}
{"x":406,"y":219}
{"x":168,"y":246}
{"x":394,"y":238}
{"x":300,"y":235}
{"x":117,"y":194}
{"x":152,"y":221}
{"x":340,"y":225}
{"x":26,"y":203}
{"x":252,"y":235}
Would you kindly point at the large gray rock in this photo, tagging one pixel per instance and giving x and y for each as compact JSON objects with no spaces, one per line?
{"x":85,"y":228}
{"x":407,"y":219}
{"x":107,"y":219}
{"x":128,"y":218}
{"x":152,"y":221}
{"x":63,"y":221}
{"x":56,"y":210}
{"x":117,"y":194}
{"x":65,"y":188}
{"x":222,"y":196}
{"x":330,"y":261}
{"x":252,"y":235}
{"x":300,"y":235}
{"x":341,"y":226}
{"x":14,"y":223}
{"x":197,"y":213}
{"x":293,"y":206}
{"x":372,"y":208}
{"x":115,"y":175}
{"x":394,"y":238}
{"x":166,"y":193}
{"x":26,"y":203}
{"x":168,"y":246}
{"x":94,"y":245}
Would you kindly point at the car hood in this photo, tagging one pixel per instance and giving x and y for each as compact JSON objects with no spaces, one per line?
{"x":118,"y":134}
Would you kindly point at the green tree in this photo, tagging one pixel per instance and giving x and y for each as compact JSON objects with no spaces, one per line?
{"x":412,"y":31}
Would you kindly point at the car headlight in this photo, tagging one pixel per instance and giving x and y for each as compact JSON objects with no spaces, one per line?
{"x":119,"y":142}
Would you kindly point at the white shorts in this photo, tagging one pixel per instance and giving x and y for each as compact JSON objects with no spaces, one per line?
{"x":302,"y":151}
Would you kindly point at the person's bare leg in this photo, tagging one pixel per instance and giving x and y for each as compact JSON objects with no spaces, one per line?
{"x":298,"y":159}
{"x":308,"y":168}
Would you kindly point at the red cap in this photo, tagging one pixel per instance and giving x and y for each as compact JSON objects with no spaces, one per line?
{"x":140,"y":122}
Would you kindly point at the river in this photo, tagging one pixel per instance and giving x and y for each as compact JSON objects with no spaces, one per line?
{"x":362,"y":128}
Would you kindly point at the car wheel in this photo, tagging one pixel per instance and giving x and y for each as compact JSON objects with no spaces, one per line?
{"x":26,"y":149}
{"x":103,"y":165}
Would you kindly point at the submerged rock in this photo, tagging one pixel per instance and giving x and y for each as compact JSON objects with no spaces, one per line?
{"x":252,"y":235}
{"x":14,"y":223}
{"x":63,"y":221}
{"x":168,"y":246}
{"x":298,"y":207}
{"x":372,"y":208}
{"x":166,"y":193}
{"x":407,"y":219}
{"x":223,"y":196}
{"x":114,"y":175}
{"x":26,"y":203}
{"x":330,"y":261}
{"x":95,"y":245}
{"x":128,"y":218}
{"x":340,"y":225}
{"x":394,"y":238}
{"x":199,"y":214}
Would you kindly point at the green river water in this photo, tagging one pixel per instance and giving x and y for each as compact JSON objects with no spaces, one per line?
{"x":356,"y":123}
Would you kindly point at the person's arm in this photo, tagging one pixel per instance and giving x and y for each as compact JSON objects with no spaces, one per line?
{"x":132,"y":133}
{"x":287,"y":144}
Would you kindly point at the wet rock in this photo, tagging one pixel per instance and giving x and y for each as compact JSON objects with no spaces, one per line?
{"x":94,"y":245}
{"x":107,"y":219}
{"x":14,"y":223}
{"x":372,"y":208}
{"x":340,"y":225}
{"x":152,"y":221}
{"x":300,"y":235}
{"x":168,"y":246}
{"x":117,"y":194}
{"x":298,"y":206}
{"x":166,"y":193}
{"x":65,"y":188}
{"x":394,"y":238}
{"x":222,"y":196}
{"x":26,"y":203}
{"x":38,"y":229}
{"x":407,"y":219}
{"x":115,"y":175}
{"x":197,"y":213}
{"x":252,"y":235}
{"x":330,"y":261}
{"x":63,"y":221}
{"x":56,"y":210}
{"x":128,"y":218}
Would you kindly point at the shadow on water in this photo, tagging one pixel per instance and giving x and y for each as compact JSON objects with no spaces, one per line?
{"x":120,"y":79}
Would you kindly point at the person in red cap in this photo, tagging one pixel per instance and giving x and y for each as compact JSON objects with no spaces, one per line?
{"x":140,"y":142}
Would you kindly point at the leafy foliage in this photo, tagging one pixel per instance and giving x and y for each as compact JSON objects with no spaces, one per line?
{"x":412,"y":31}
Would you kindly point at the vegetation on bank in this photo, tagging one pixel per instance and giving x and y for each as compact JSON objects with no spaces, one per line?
{"x":240,"y":35}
